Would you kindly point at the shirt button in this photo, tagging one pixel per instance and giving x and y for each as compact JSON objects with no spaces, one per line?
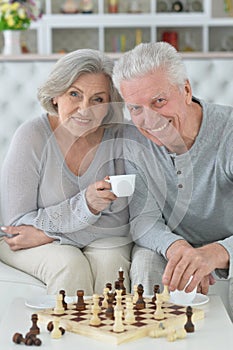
{"x":178,"y":172}
{"x":180,"y":186}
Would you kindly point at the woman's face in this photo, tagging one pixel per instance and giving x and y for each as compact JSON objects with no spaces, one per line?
{"x":83,"y":106}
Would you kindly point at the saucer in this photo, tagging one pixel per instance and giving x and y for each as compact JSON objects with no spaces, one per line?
{"x":46,"y":301}
{"x":200,"y":299}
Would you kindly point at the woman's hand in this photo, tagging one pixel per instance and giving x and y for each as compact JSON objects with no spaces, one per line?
{"x":99,"y":196}
{"x":25,"y":237}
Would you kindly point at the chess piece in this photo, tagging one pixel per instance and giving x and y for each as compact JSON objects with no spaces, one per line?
{"x":95,"y":320}
{"x":117,"y":285}
{"x":18,"y":338}
{"x":135,"y":293}
{"x":109,"y":313}
{"x":63,"y":293}
{"x":59,"y":309}
{"x":34,"y":328}
{"x":80,"y":306}
{"x":56,"y":332}
{"x":121,"y":281}
{"x":159,"y":314}
{"x":129,"y":313}
{"x":156,"y":291}
{"x":118,"y":324}
{"x":119,"y":300}
{"x":189,"y":326}
{"x":96,"y":302}
{"x":140,"y":303}
{"x":159,"y":332}
{"x":165,"y":294}
{"x":50,"y":327}
{"x":173,"y":334}
{"x":33,"y":338}
{"x":105,"y":300}
{"x":109,"y":286}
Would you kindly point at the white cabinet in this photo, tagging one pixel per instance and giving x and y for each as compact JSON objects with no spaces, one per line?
{"x":202,"y":26}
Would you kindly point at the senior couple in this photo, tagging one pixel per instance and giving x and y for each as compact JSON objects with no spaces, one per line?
{"x":70,"y":230}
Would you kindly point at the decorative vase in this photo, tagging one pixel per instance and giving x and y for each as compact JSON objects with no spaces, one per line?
{"x":12,"y":45}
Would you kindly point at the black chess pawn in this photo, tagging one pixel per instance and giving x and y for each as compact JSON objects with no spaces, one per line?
{"x":63,"y":298}
{"x":156,"y":291}
{"x":189,"y":326}
{"x":117,"y":285}
{"x":34,"y":328}
{"x":109,"y":313}
{"x":109,"y":285}
{"x":121,"y":281}
{"x":80,"y":306}
{"x":140,"y":303}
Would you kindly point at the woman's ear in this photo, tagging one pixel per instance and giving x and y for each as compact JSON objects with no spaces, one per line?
{"x":54,"y":100}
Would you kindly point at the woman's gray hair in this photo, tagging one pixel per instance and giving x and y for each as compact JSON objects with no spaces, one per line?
{"x":148,"y":57}
{"x":67,"y":70}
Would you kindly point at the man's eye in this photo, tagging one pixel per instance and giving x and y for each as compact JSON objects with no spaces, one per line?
{"x":159,"y":102}
{"x":135,"y":110}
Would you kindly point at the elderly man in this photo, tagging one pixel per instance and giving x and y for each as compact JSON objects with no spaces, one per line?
{"x":181,"y":150}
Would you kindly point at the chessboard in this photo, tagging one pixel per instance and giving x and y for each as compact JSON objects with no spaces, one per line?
{"x":145,"y":320}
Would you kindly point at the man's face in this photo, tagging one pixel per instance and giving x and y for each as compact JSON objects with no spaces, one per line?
{"x":158,"y":108}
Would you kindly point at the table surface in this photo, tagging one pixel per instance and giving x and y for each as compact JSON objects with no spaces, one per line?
{"x":212,"y":333}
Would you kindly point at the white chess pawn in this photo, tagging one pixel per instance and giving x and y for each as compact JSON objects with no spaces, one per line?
{"x":135,"y":293}
{"x":173,"y":334}
{"x":165,"y":294}
{"x":105,"y":301}
{"x":59,"y":309}
{"x":129,"y":313}
{"x":159,"y":314}
{"x":56,"y":332}
{"x":95,"y":320}
{"x":118,"y":324}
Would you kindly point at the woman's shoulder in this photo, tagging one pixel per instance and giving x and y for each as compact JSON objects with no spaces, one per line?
{"x":37,"y":127}
{"x":32,"y":134}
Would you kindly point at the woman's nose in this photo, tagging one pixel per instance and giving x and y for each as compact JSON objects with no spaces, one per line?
{"x":84,"y":104}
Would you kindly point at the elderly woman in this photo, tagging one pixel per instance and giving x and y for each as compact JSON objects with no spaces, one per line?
{"x":69,"y":230}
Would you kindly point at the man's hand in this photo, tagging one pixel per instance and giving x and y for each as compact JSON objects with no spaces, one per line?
{"x":25,"y":237}
{"x":185,"y":261}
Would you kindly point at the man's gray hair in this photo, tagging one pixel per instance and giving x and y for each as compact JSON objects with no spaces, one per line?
{"x":67,"y":70}
{"x":148,"y":57}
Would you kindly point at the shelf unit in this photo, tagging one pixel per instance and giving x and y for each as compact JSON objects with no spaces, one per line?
{"x":209,"y":30}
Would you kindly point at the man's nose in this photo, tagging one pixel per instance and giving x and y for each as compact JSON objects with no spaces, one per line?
{"x":150,"y":117}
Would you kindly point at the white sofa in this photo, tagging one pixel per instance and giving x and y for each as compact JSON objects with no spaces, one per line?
{"x":211,"y":78}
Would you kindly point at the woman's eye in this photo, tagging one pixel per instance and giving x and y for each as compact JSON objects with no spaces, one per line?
{"x":98,"y":100}
{"x":74,"y":93}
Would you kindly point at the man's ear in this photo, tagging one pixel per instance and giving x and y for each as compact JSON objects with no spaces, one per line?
{"x":188,"y":92}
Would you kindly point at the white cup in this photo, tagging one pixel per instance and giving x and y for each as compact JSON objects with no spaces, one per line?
{"x":181,"y":297}
{"x":122,"y":185}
